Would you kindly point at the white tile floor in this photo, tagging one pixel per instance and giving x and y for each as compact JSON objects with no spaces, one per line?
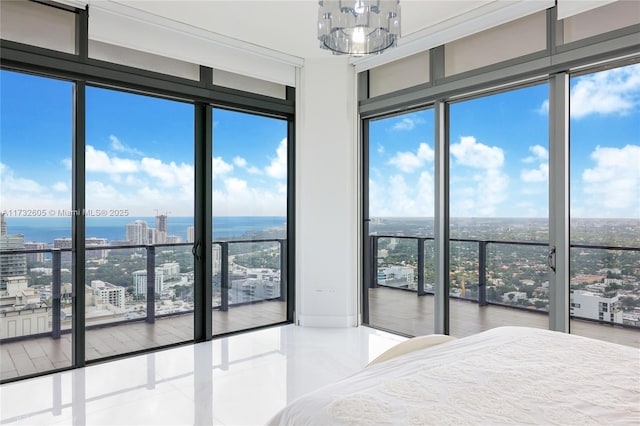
{"x":240,"y":380}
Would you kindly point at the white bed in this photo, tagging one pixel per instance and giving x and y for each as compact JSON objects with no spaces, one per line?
{"x":507,"y":375}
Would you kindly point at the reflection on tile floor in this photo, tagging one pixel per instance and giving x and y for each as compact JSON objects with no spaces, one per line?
{"x":243,"y":379}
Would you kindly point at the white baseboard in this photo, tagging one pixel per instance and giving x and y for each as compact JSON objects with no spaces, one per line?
{"x":327,"y":321}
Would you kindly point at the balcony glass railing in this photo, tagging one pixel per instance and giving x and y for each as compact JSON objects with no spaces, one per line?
{"x":605,"y":280}
{"x":127,"y":283}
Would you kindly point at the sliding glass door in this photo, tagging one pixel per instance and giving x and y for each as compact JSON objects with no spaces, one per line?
{"x":139,"y":186}
{"x":400,"y":229}
{"x":35,"y":193}
{"x":605,"y":204}
{"x":250,"y":204}
{"x":499,"y":227}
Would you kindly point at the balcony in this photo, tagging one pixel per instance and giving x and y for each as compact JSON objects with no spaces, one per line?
{"x":496,"y":283}
{"x":403,"y":304}
{"x":37,"y":335}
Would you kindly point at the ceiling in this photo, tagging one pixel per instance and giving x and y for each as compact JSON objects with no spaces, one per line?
{"x":289,"y":27}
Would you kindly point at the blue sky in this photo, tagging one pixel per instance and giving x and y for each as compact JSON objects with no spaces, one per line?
{"x":499,"y":153}
{"x":140,"y":153}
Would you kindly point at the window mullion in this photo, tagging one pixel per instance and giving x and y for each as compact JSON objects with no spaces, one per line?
{"x":559,"y":202}
{"x":441,"y":231}
{"x":78,"y":231}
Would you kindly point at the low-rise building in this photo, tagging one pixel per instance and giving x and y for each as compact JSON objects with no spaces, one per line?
{"x":109,"y":293}
{"x":596,"y":306}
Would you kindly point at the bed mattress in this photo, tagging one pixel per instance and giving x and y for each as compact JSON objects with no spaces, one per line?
{"x":507,"y":375}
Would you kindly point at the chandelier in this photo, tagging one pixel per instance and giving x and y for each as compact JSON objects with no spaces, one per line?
{"x":358,"y":27}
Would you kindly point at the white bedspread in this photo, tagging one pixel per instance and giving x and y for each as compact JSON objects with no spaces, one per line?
{"x":507,"y":375}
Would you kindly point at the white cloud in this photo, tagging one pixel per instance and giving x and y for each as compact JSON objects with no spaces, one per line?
{"x":541,"y":174}
{"x":538,"y":174}
{"x":244,"y":164}
{"x":233,"y":184}
{"x":425,"y":194}
{"x":612,"y":186}
{"x":117,"y":145}
{"x":469,"y":152}
{"x":407,"y":123}
{"x":66,"y":163}
{"x":398,"y":197}
{"x":9,"y":182}
{"x":479,"y":194}
{"x":408,"y":161}
{"x":220,"y":167}
{"x":24,"y":193}
{"x":491,"y":191}
{"x":380,"y":149}
{"x":539,"y":152}
{"x":99,"y":161}
{"x":240,"y":162}
{"x":544,"y":107}
{"x":278,"y":167}
{"x":236,"y":197}
{"x":615,"y":91}
{"x":169,"y":174}
{"x":60,"y":187}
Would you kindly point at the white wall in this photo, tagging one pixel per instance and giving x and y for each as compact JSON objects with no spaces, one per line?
{"x":326,"y":194}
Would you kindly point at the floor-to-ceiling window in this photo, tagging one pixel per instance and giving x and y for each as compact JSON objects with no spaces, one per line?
{"x":35,"y":197}
{"x":250,"y":170}
{"x":139,"y":189}
{"x":536,"y":177}
{"x":400,"y":227}
{"x":499,"y":232}
{"x":605,"y":201}
{"x":106,"y":196}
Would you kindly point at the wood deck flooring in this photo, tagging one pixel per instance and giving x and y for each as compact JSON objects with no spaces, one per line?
{"x":407,"y":313}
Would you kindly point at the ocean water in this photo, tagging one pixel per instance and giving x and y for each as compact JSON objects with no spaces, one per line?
{"x":46,"y":229}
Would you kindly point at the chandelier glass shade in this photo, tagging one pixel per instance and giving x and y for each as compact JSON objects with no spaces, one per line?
{"x":358,"y":27}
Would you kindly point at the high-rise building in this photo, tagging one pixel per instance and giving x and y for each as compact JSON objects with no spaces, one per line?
{"x":11,"y":265}
{"x":191,"y":234}
{"x":161,"y":222}
{"x":140,"y":282}
{"x":161,"y":228}
{"x":3,"y":224}
{"x":137,"y":232}
{"x":96,"y":254}
{"x":165,"y":272}
{"x":172,"y":239}
{"x":64,"y":243}
{"x":171,"y":271}
{"x":152,"y":236}
{"x":35,"y":257}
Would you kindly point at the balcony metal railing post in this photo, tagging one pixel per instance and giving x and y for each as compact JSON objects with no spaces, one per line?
{"x":56,"y":285}
{"x":151,"y":284}
{"x":374,"y":263}
{"x":482,"y":273}
{"x":283,"y":269}
{"x":421,"y":291}
{"x":224,"y":276}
